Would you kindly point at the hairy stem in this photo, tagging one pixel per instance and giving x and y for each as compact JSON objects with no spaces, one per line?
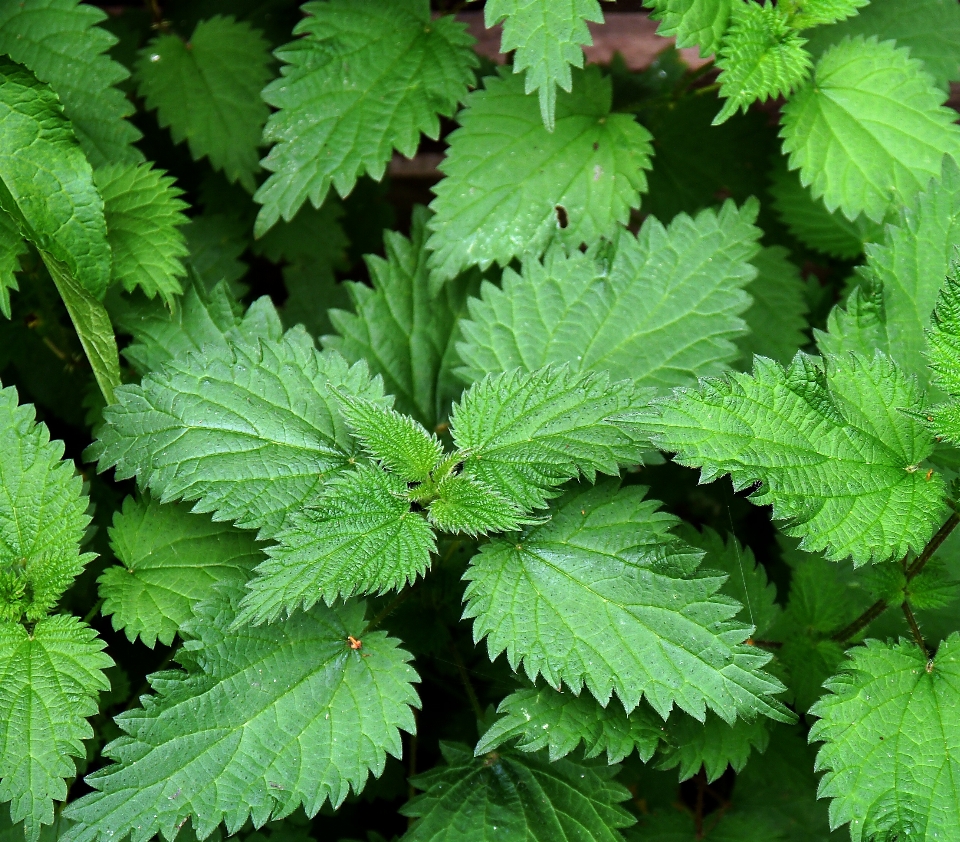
{"x":915,"y":629}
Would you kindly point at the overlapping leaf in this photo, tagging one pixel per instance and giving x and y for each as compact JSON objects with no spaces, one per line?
{"x":368,"y":77}
{"x":869,"y":129}
{"x":712,"y":744}
{"x":944,"y":353}
{"x":512,"y":186}
{"x":301,"y":719}
{"x":682,"y":285}
{"x":693,"y":22}
{"x":804,"y":14}
{"x":11,"y":247}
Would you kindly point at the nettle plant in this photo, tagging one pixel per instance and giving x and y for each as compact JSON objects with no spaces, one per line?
{"x":426,"y":553}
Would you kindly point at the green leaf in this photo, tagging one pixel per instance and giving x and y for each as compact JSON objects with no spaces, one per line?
{"x":682,"y":285}
{"x":360,"y":537}
{"x":512,"y":186}
{"x":929,"y":28}
{"x":903,"y":275}
{"x":777,"y":318}
{"x":523,"y":434}
{"x":143,"y":212}
{"x":943,"y":353}
{"x":813,"y":225}
{"x":891,"y":734}
{"x":11,"y":247}
{"x":207,"y":91}
{"x":250,"y":431}
{"x":60,"y":42}
{"x":836,"y":459}
{"x":92,"y":323}
{"x":559,"y":722}
{"x":693,"y":22}
{"x":399,"y":442}
{"x":803,"y":14}
{"x":516,"y":796}
{"x":216,"y":242}
{"x":368,"y":77}
{"x":869,"y":129}
{"x":467,"y":505}
{"x":50,"y":678}
{"x":601,"y":595}
{"x":314,"y":718}
{"x":548,"y":38}
{"x":712,"y":744}
{"x":762,"y":56}
{"x":170,"y":560}
{"x":46,"y":184}
{"x":404,"y":331}
{"x":43,"y":515}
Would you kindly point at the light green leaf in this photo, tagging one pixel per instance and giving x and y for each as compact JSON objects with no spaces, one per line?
{"x":803,"y":14}
{"x":601,"y":595}
{"x":43,"y":515}
{"x":46,"y":184}
{"x":516,"y":796}
{"x":399,"y":442}
{"x":49,"y":680}
{"x":559,"y":722}
{"x":682,"y":285}
{"x":777,"y":318}
{"x":837,"y":460}
{"x":930,"y":28}
{"x":548,"y":38}
{"x":870,"y":129}
{"x":902,"y":277}
{"x":92,"y":323}
{"x":467,"y":505}
{"x":368,"y":77}
{"x":360,"y":537}
{"x":693,"y":22}
{"x":207,"y":91}
{"x":250,"y":431}
{"x":301,"y":718}
{"x":813,"y":225}
{"x":891,"y":734}
{"x":712,"y":744}
{"x":523,"y":434}
{"x":762,"y":56}
{"x":512,"y":186}
{"x":402,"y":329}
{"x":144,"y":213}
{"x":11,"y":247}
{"x":60,"y":42}
{"x":170,"y":560}
{"x":943,"y":353}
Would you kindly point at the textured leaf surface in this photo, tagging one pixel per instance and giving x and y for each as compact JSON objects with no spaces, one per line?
{"x":522,"y":434}
{"x":712,"y":744}
{"x":43,"y":515}
{"x":835,"y":457}
{"x":516,"y":796}
{"x":807,"y":13}
{"x":467,"y":505}
{"x":512,"y":186}
{"x":903,"y":275}
{"x":403,"y":330}
{"x":360,"y":537}
{"x":368,"y":77}
{"x":777,"y":318}
{"x":559,"y":722}
{"x":930,"y":28}
{"x":61,"y":43}
{"x":762,"y":56}
{"x":693,"y":22}
{"x":49,"y":680}
{"x":891,"y":733}
{"x":170,"y":560}
{"x":869,"y":129}
{"x":143,"y":212}
{"x":207,"y":91}
{"x":46,"y":184}
{"x":548,"y":37}
{"x":250,"y":432}
{"x":262,"y":721}
{"x":601,"y":595}
{"x":11,"y":247}
{"x":682,"y":286}
{"x":944,"y":353}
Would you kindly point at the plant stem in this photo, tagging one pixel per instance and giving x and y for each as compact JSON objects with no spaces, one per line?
{"x":390,"y":607}
{"x":913,"y":570}
{"x":465,"y":680}
{"x":915,"y":629}
{"x":93,"y":611}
